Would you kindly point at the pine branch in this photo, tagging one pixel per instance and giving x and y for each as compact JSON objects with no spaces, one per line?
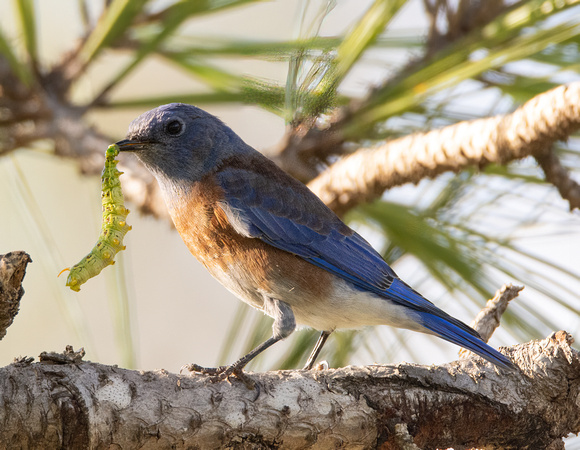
{"x":466,"y":403}
{"x":530,"y":130}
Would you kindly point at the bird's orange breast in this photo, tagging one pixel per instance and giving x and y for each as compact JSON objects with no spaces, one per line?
{"x":246,"y":266}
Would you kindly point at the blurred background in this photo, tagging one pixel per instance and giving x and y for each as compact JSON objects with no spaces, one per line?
{"x":260,"y":67}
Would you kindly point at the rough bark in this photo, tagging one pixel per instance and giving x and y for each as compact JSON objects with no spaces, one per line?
{"x":465,"y":403}
{"x":12,"y":271}
{"x":531,"y":130}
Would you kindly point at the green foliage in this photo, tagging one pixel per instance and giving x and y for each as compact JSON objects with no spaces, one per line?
{"x":27,"y":22}
{"x":18,"y":68}
{"x":349,"y":51}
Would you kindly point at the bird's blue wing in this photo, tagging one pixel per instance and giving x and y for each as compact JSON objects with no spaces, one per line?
{"x":287,"y":215}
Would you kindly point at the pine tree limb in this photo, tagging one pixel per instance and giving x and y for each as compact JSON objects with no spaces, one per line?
{"x":464,"y":403}
{"x":530,"y":130}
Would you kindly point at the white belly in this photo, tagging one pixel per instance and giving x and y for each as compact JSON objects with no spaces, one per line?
{"x":349,"y":307}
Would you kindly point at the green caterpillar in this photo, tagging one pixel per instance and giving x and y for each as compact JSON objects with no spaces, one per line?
{"x":113,"y":229}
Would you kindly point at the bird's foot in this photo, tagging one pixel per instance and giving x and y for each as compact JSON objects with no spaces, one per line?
{"x":222,"y":373}
{"x":213,"y":371}
{"x":322,"y":365}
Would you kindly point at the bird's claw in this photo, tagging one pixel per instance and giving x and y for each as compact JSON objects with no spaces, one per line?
{"x":322,"y":365}
{"x":222,"y":373}
{"x":213,"y":371}
{"x":237,"y":372}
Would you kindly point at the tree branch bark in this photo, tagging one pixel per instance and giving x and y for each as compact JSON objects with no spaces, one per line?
{"x":464,"y":403}
{"x":531,"y":130}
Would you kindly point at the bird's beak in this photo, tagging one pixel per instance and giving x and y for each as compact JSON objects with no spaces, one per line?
{"x":129,"y":145}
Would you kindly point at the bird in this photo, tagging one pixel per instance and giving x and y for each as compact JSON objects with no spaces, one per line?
{"x":272,"y":242}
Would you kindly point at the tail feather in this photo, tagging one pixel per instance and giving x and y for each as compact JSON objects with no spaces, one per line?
{"x":443,"y":325}
{"x":459,"y":336}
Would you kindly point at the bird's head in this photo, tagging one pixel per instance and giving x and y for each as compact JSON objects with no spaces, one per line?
{"x":181,"y":143}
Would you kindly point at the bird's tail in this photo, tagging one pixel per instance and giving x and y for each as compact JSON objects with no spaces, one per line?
{"x":445,"y":326}
{"x":470,"y":340}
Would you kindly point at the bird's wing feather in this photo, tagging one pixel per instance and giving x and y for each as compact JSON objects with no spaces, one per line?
{"x":288,"y":216}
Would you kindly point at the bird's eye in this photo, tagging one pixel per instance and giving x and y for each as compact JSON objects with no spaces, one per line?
{"x":175,"y":127}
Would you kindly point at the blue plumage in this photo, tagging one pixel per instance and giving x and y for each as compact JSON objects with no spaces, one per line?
{"x":280,"y":219}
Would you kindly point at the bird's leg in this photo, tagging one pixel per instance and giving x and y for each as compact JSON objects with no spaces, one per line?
{"x":316,"y":350}
{"x":284,"y":325}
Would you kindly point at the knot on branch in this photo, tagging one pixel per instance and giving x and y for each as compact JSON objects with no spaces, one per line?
{"x":69,"y":356}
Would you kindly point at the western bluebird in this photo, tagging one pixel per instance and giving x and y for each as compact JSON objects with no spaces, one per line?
{"x":268,"y":239}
